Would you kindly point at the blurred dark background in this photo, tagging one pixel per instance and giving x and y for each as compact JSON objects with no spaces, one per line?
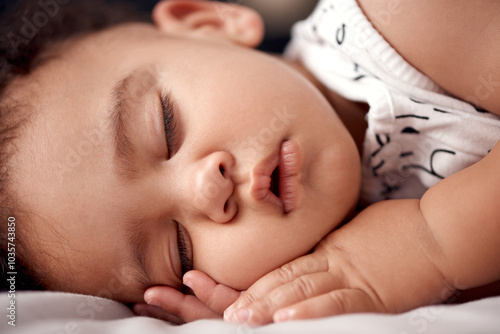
{"x":278,"y":15}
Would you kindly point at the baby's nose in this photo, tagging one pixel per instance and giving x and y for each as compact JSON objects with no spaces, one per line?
{"x":213,"y":187}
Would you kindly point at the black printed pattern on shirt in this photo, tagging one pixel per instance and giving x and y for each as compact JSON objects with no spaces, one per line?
{"x":390,"y":182}
{"x":340,"y":33}
{"x":412,"y":129}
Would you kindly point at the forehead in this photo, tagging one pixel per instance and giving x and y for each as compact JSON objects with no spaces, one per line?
{"x":73,"y":89}
{"x":64,"y":151}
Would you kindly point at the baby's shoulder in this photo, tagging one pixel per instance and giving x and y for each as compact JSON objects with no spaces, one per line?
{"x":455,"y":43}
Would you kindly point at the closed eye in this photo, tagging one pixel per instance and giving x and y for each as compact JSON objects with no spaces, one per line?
{"x":169,"y":122}
{"x":184,"y":254}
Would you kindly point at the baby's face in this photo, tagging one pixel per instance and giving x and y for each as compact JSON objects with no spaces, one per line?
{"x":113,"y":196}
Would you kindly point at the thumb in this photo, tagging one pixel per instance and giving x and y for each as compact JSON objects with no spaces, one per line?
{"x":216,"y":296}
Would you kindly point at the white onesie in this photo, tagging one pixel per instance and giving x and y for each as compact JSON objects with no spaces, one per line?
{"x":417,"y":133}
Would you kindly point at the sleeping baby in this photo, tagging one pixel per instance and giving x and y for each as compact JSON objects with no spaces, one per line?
{"x":172,"y":163}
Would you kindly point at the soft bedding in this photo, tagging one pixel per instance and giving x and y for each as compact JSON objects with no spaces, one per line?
{"x":56,"y":312}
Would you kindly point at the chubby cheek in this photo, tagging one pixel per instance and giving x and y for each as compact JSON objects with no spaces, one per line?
{"x":239,"y":262}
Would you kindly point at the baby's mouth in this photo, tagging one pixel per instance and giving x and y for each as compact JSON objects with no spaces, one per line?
{"x":289,"y":175}
{"x":275,"y":179}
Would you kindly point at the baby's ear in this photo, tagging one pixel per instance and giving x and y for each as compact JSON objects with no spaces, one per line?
{"x":209,"y":20}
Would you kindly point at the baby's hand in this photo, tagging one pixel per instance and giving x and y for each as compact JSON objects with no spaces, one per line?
{"x":312,"y":286}
{"x":381,"y":261}
{"x":210,"y":299}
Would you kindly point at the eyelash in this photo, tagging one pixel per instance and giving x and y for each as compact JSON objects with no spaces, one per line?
{"x":186,"y":262}
{"x":169,"y":121}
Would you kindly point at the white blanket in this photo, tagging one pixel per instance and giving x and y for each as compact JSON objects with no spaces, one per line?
{"x":55,"y":312}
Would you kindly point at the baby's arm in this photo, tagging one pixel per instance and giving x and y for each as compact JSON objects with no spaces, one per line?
{"x":454,"y":42}
{"x":463,"y":216}
{"x":394,"y":256}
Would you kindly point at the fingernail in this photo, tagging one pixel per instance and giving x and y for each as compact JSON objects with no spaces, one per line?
{"x":149,"y":299}
{"x":237,"y":315}
{"x":153,"y":302}
{"x":229,"y":314}
{"x":242,"y":315}
{"x":187,"y":282}
{"x":234,"y":306}
{"x":282,"y":315}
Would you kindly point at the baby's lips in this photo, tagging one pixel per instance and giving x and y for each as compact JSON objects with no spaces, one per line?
{"x":261,"y":181}
{"x":261,"y":177}
{"x":289,"y":168}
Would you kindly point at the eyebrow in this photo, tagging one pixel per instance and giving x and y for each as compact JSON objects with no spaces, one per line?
{"x":125,"y":165}
{"x":119,"y":118}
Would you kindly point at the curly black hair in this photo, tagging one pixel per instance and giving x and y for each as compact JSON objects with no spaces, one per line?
{"x":29,"y":29}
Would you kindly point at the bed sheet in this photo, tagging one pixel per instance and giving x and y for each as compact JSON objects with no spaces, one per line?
{"x":55,"y":312}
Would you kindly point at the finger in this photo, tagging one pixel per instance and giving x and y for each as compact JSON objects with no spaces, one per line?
{"x":216,"y":296}
{"x":186,"y":307}
{"x":261,"y":311}
{"x":156,"y":312}
{"x":333,"y":303}
{"x":302,"y":266}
